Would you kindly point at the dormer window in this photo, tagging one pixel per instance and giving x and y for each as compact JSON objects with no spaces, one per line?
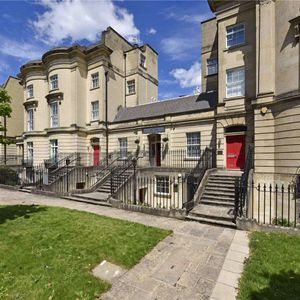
{"x":143,"y":60}
{"x":54,"y":82}
{"x":95,"y":80}
{"x":30,"y":91}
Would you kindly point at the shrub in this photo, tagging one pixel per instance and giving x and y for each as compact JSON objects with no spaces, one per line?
{"x":8,"y":176}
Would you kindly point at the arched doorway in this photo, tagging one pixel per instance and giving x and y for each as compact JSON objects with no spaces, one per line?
{"x":95,"y":142}
{"x":235,"y":146}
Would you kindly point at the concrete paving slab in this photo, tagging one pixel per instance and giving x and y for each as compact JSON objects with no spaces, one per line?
{"x":108,"y":271}
{"x":223,"y":292}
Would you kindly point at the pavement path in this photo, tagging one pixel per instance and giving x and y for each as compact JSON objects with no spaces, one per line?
{"x":197,"y":261}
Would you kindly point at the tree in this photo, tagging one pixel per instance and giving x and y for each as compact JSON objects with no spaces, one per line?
{"x":5,"y":112}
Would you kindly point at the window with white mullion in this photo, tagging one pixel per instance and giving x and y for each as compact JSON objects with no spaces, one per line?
{"x":95,"y":80}
{"x":212,"y":66}
{"x":54,"y":150}
{"x":95,"y":110}
{"x":235,"y":82}
{"x":131,"y":87}
{"x":30,"y":120}
{"x":235,"y":35}
{"x":193,"y":144}
{"x":54,"y":114}
{"x":123,"y":143}
{"x":54,"y":82}
{"x":163,"y":185}
{"x":30,"y":152}
{"x":30,"y":91}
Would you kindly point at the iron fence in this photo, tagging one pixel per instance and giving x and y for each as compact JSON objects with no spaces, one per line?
{"x":160,"y":191}
{"x":11,"y":160}
{"x":272,"y":204}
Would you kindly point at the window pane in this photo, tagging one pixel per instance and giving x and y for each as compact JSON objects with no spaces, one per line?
{"x":235,"y":84}
{"x":123,"y":147}
{"x":131,"y":86}
{"x":193,"y":144}
{"x":95,"y":80}
{"x":212,"y":66}
{"x":235,"y":35}
{"x":95,"y":110}
{"x":162,"y":185}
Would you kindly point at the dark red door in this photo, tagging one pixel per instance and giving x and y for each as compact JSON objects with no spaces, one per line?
{"x":96,"y":155}
{"x":235,"y":151}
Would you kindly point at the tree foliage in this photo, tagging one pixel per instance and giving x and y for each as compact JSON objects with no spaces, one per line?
{"x":5,"y":112}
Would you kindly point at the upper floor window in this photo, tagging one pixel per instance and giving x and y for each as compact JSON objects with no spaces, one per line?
{"x":54,"y":82}
{"x":212,"y":66}
{"x":235,"y":35}
{"x":131,"y":87}
{"x":95,"y":110}
{"x":193,"y":144}
{"x":30,"y":119}
{"x":143,"y":60}
{"x":123,"y":147}
{"x":163,"y":185}
{"x":54,"y":114}
{"x":95,"y":80}
{"x":54,"y":150}
{"x":30,"y":91}
{"x":30,"y":152}
{"x":235,"y":82}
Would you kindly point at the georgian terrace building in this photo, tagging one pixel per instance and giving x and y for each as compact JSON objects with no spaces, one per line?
{"x":72,"y":94}
{"x":250,"y":55}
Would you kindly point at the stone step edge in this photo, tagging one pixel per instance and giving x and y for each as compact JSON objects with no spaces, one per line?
{"x":211,"y":221}
{"x":101,"y":203}
{"x":217,"y":203}
{"x":210,"y":216}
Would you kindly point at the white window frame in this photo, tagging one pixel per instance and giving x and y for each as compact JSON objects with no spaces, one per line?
{"x":30,"y":91}
{"x":30,"y":119}
{"x":54,"y":150}
{"x":53,"y":82}
{"x":162,"y":185}
{"x":131,"y":87}
{"x":193,"y":145}
{"x":29,"y":152}
{"x":212,"y":68}
{"x":243,"y":29}
{"x":143,"y":60}
{"x":230,"y":86}
{"x":95,"y":83}
{"x":95,"y":112}
{"x":53,"y":115}
{"x":123,"y":147}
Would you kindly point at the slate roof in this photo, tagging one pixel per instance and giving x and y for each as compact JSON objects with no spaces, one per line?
{"x":204,"y":101}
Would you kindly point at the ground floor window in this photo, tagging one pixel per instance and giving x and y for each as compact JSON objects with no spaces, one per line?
{"x":193,"y":144}
{"x":54,"y":150}
{"x":162,"y":185}
{"x":123,"y":143}
{"x":30,"y":152}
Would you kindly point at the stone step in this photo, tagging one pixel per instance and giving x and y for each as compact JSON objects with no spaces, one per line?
{"x":217,"y":202}
{"x":218,"y":197}
{"x":224,"y":176}
{"x":220,"y":184}
{"x":209,"y":221}
{"x":101,"y":203}
{"x":213,"y":192}
{"x":212,"y":212}
{"x":95,"y":196}
{"x":217,"y":180}
{"x":219,"y":189}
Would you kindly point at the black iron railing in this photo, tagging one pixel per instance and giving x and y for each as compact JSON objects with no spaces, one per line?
{"x":241,"y":185}
{"x":195,"y":177}
{"x":274,"y":204}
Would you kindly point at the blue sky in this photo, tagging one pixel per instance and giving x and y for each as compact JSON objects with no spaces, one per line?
{"x":172,"y":28}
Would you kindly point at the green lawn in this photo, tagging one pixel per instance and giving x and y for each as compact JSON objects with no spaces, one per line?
{"x":48,"y":252}
{"x":272,"y":271}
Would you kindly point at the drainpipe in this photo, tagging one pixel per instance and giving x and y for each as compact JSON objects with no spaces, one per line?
{"x":125,"y":79}
{"x":106,"y":114}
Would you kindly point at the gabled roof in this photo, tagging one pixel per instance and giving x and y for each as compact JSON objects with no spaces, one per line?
{"x":181,"y":105}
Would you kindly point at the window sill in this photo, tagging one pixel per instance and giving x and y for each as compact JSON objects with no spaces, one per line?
{"x":165,"y":195}
{"x":29,"y":98}
{"x":210,"y":75}
{"x":228,"y":49}
{"x":234,"y":98}
{"x":143,"y":67}
{"x":131,"y":94}
{"x":94,"y":121}
{"x":53,"y":90}
{"x":94,"y":88}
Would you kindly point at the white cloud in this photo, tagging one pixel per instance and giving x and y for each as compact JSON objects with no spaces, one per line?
{"x":79,"y":19}
{"x":180,"y":48}
{"x":19,"y":49}
{"x":152,"y":31}
{"x":4,"y":67}
{"x":188,"y":78}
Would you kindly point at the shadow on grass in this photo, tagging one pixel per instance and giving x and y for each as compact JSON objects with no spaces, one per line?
{"x":285,"y":285}
{"x":12,"y":212}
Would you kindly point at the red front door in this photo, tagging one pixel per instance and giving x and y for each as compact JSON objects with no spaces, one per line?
{"x":96,"y":155}
{"x":235,"y":151}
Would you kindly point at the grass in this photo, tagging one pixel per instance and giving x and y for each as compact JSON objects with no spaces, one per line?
{"x":48,"y":253}
{"x":272,"y":271}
